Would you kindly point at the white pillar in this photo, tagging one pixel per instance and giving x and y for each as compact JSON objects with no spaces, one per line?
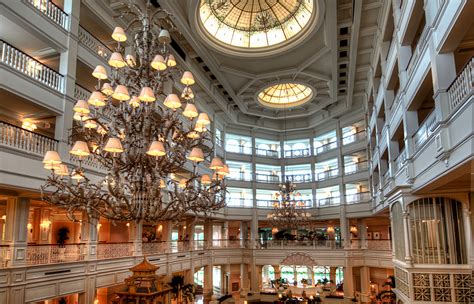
{"x":135,"y":236}
{"x":16,"y":229}
{"x":364,"y":284}
{"x":89,"y":236}
{"x":348,"y":284}
{"x":406,"y":236}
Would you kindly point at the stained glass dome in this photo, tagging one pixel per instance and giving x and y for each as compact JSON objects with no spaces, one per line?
{"x":285,"y":95}
{"x":255,"y":23}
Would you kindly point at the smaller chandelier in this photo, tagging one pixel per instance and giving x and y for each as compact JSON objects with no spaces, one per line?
{"x":288,"y":208}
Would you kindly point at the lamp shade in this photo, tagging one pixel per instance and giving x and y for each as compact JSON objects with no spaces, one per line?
{"x":101,"y":130}
{"x":182,"y":183}
{"x":205,"y":179}
{"x":113,"y":145}
{"x":97,"y":99}
{"x":196,"y":155}
{"x":199,"y":128}
{"x":216,"y":164}
{"x":80,"y":117}
{"x":119,"y":34}
{"x":80,"y":149}
{"x":116,"y":60}
{"x":187,"y":78}
{"x":162,"y":184}
{"x":134,"y":102}
{"x":190,"y":111}
{"x":159,"y":63}
{"x":172,"y":101}
{"x":121,"y":93}
{"x":164,"y":36}
{"x":187,"y":93}
{"x":130,"y":59}
{"x":171,"y":61}
{"x":62,"y":170}
{"x":81,"y":107}
{"x":156,"y":149}
{"x":51,"y":158}
{"x":147,"y":95}
{"x":90,"y":124}
{"x":224,"y":171}
{"x":107,"y":89}
{"x":77,"y":175}
{"x":193,"y":135}
{"x":100,"y":72}
{"x":203,"y":119}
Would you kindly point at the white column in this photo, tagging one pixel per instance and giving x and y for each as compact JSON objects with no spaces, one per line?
{"x":364,"y":284}
{"x":348,"y":284}
{"x":16,"y":230}
{"x":406,"y":236}
{"x":344,"y":225}
{"x":89,"y":236}
{"x":254,"y":229}
{"x":208,"y":280}
{"x":136,"y":230}
{"x":362,"y":229}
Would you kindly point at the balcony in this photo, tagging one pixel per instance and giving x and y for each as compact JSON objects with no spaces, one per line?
{"x":24,"y":140}
{"x":54,"y":253}
{"x":425,"y":130}
{"x":325,"y":147}
{"x":355,"y":167}
{"x":329,"y":201}
{"x":267,"y":178}
{"x":360,"y":197}
{"x":267,"y":153}
{"x":239,"y":202}
{"x":297,"y":153}
{"x":304,"y":244}
{"x":462,"y":88}
{"x":99,"y":49}
{"x":299,"y":178}
{"x":352,"y":138}
{"x":30,"y":67}
{"x":400,"y":160}
{"x":327,"y":174}
{"x":51,"y":11}
{"x":240,"y":149}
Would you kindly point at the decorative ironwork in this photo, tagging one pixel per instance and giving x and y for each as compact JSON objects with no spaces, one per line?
{"x":142,"y":143}
{"x":288,"y":209}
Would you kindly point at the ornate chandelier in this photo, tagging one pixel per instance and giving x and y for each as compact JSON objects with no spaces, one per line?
{"x":288,"y":209}
{"x":140,"y":137}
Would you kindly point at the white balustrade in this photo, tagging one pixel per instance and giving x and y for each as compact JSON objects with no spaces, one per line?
{"x":400,"y":160}
{"x":53,"y":253}
{"x":93,"y":44}
{"x":379,"y":244}
{"x":114,"y":250}
{"x":425,"y":130}
{"x":81,"y":93}
{"x":462,"y":88}
{"x":30,"y":67}
{"x":150,"y":248}
{"x":16,"y":137}
{"x":52,"y":11}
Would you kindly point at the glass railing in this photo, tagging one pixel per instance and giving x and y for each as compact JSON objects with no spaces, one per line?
{"x":325,"y":147}
{"x":349,"y":139}
{"x":267,"y":153}
{"x":329,"y":201}
{"x":267,"y":178}
{"x":327,"y":174}
{"x":297,"y":153}
{"x":358,"y":197}
{"x":239,"y":202}
{"x":299,"y":178}
{"x":238,"y":149}
{"x":355,"y":167}
{"x":30,"y":67}
{"x":425,"y":130}
{"x":240,"y":176}
{"x":52,"y":11}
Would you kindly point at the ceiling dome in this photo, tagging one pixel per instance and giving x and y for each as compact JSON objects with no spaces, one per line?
{"x":285,"y":95}
{"x":255,"y":23}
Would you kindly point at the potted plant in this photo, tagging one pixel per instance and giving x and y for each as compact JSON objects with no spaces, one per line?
{"x":189,"y":292}
{"x":177,"y":284}
{"x":304,"y":282}
{"x":62,"y":237}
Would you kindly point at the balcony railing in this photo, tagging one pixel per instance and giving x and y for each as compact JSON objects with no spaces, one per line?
{"x":425,"y":130}
{"x":355,"y":167}
{"x":16,"y":137}
{"x":326,"y":147}
{"x":241,"y":202}
{"x":400,"y":160}
{"x":462,"y":87}
{"x":358,"y":197}
{"x":30,"y":67}
{"x":327,"y":174}
{"x":114,"y":250}
{"x":308,"y":244}
{"x":384,"y":245}
{"x":356,"y":137}
{"x":267,"y":153}
{"x":299,"y":178}
{"x":53,"y":253}
{"x":241,"y":176}
{"x":81,"y":93}
{"x":268,"y":204}
{"x":52,"y":11}
{"x":418,"y":50}
{"x":297,"y":153}
{"x":93,"y":44}
{"x":238,"y":149}
{"x":267,"y":178}
{"x":329,"y":201}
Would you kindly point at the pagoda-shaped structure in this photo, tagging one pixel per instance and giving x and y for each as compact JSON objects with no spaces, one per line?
{"x":144,"y":286}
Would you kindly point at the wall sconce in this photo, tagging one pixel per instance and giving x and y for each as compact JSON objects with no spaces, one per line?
{"x":128,"y":224}
{"x":274,"y":230}
{"x":30,"y":227}
{"x":45,"y":224}
{"x":4,"y":217}
{"x":353,"y":229}
{"x":330,"y":229}
{"x":159,"y":229}
{"x":98,"y":226}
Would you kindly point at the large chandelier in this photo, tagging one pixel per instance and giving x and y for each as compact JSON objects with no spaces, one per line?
{"x":139,"y":136}
{"x":288,"y":208}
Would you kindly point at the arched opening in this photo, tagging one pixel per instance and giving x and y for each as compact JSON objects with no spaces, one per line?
{"x":268,"y":275}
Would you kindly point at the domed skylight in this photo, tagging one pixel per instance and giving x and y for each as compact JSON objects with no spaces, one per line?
{"x":255,"y":23}
{"x":285,"y":95}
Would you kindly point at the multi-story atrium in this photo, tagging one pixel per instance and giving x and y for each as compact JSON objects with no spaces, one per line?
{"x":339,"y":134}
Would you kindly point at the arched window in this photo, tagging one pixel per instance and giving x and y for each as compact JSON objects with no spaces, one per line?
{"x":437,"y":231}
{"x":232,"y":145}
{"x":268,"y":275}
{"x":398,"y":235}
{"x":288,"y":273}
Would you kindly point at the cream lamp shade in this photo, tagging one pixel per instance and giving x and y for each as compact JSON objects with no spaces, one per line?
{"x":156,"y":149}
{"x":171,"y":61}
{"x":81,"y":107}
{"x":190,"y":111}
{"x":224,"y":171}
{"x":205,"y":179}
{"x":119,"y":34}
{"x":159,"y":63}
{"x":113,"y":145}
{"x":80,"y":149}
{"x":182,"y":183}
{"x":199,"y":128}
{"x":62,"y":170}
{"x":216,"y":177}
{"x":107,"y":89}
{"x":203,"y":119}
{"x":164,"y":36}
{"x":116,"y":60}
{"x":172,"y":101}
{"x":80,"y":117}
{"x":147,"y":95}
{"x":188,"y":78}
{"x":52,"y":158}
{"x":90,"y":124}
{"x":196,"y":155}
{"x":97,"y":99}
{"x":77,"y":175}
{"x":187,"y":93}
{"x":121,"y":93}
{"x":101,"y":130}
{"x":193,"y":135}
{"x":216,"y":164}
{"x":100,"y":72}
{"x":130,"y":59}
{"x":134,"y":102}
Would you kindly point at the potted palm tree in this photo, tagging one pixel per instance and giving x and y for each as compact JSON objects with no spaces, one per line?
{"x":62,"y":237}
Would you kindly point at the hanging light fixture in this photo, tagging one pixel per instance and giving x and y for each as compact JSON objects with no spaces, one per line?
{"x":143,"y":144}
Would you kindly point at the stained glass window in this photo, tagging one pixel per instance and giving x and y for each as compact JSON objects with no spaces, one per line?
{"x":285,"y":95}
